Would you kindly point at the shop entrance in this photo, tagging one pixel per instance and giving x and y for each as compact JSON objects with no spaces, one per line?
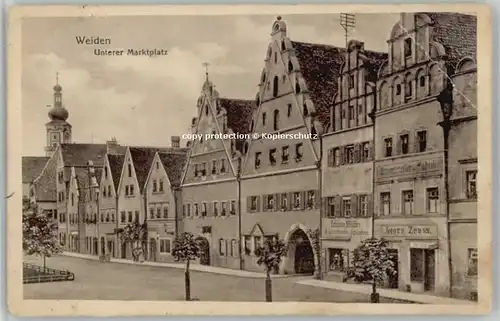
{"x":393,"y":279}
{"x":304,"y":255}
{"x":430,"y":267}
{"x":423,"y":265}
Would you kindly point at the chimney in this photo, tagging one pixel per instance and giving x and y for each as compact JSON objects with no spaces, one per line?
{"x":175,"y":141}
{"x":112,"y":146}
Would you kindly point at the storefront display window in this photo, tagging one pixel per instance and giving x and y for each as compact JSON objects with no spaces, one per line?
{"x":336,"y":261}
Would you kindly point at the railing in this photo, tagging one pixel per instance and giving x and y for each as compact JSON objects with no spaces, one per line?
{"x":38,"y":274}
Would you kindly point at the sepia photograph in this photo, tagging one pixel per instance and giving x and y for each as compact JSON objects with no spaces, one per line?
{"x":318,"y":157}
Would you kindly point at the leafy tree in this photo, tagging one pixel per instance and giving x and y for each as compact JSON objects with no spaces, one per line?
{"x":186,"y":249}
{"x":39,"y":233}
{"x":371,"y":263}
{"x":270,"y":257}
{"x":135,"y":234}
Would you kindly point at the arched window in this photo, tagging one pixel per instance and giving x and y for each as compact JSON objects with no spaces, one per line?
{"x":275,"y":86}
{"x":421,"y":81}
{"x":276,"y":119}
{"x":305,"y":110}
{"x":283,"y":46}
{"x":408,"y":86}
{"x":398,"y":89}
{"x":408,"y":45}
{"x":290,"y":66}
{"x":297,"y":88}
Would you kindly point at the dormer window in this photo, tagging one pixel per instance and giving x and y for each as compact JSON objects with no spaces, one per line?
{"x":407,"y":48}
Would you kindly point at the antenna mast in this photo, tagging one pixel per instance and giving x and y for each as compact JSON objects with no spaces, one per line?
{"x":348,"y":22}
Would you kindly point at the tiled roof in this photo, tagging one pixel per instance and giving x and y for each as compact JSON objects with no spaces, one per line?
{"x":174,"y":165}
{"x":239,"y":116}
{"x":80,"y":154}
{"x":320,"y":67}
{"x":82,"y":179}
{"x":115,"y":167}
{"x":142,"y":157}
{"x":457,"y":33}
{"x":32,"y":167}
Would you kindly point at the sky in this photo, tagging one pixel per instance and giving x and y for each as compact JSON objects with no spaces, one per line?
{"x":142,"y":101}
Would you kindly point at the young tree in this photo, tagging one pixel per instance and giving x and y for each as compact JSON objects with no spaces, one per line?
{"x":270,"y":257}
{"x":135,"y":234}
{"x":186,"y":249}
{"x":372,"y":263}
{"x":39,"y":233}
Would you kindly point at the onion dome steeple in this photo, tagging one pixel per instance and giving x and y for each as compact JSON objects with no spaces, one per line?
{"x":58,"y":112}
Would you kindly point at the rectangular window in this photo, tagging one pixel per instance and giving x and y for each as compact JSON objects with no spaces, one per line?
{"x":311,"y":198}
{"x":129,"y":166}
{"x":257,"y":159}
{"x":223,"y":209}
{"x":407,"y":202}
{"x":363,"y":205}
{"x":130,"y":216}
{"x":158,"y":212}
{"x":472,"y":264}
{"x":233,"y":207}
{"x":155,"y":187}
{"x":407,"y":47}
{"x":388,"y":147}
{"x":422,"y":141}
{"x":222,"y":165}
{"x":346,"y":206}
{"x":196,"y":170}
{"x":298,"y":152}
{"x":126,"y":191}
{"x":122,"y":216}
{"x":471,"y":184}
{"x":131,"y":189}
{"x":365,"y":152}
{"x":403,"y":140}
{"x":272,"y":156}
{"x":214,"y":167}
{"x":417,"y":262}
{"x":216,"y":208}
{"x":432,"y":200}
{"x":161,"y":185}
{"x":253,"y":203}
{"x":270,"y":202}
{"x":349,"y":154}
{"x":385,"y":203}
{"x":203,"y":169}
{"x":296,"y":200}
{"x":284,"y":202}
{"x":351,"y":112}
{"x":165,"y":246}
{"x":188,"y":210}
{"x":136,"y":216}
{"x":204,"y":210}
{"x":331,"y":207}
{"x":196,"y":210}
{"x":284,"y":154}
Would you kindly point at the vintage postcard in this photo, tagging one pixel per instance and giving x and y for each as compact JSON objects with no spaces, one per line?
{"x":306,"y":159}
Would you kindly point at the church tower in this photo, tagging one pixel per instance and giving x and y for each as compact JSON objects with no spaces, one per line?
{"x":58,"y":129}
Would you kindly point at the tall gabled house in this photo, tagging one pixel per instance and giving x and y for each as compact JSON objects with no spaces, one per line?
{"x":164,"y":204}
{"x":280,"y":191}
{"x":210,"y":185}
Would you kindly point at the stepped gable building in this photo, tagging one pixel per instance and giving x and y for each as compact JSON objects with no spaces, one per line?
{"x":348,"y":159}
{"x":131,"y":192}
{"x":426,"y":152}
{"x":210,"y":187}
{"x":280,"y":192}
{"x":164,"y":202}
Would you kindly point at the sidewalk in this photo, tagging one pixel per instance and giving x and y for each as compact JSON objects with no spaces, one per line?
{"x":393,"y":294}
{"x":193,"y":267}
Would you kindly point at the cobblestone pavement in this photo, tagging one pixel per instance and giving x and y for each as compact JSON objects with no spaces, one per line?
{"x":96,"y":280}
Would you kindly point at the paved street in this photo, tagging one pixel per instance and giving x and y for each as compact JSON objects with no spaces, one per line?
{"x":95,"y":280}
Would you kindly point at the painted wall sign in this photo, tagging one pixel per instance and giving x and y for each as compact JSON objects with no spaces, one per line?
{"x":410,"y":169}
{"x":344,"y":229}
{"x":409,"y":231}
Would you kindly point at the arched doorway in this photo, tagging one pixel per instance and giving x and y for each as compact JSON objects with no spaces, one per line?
{"x":152,"y":249}
{"x":205,"y":250}
{"x":96,"y":247}
{"x":301,"y":252}
{"x":111,"y":248}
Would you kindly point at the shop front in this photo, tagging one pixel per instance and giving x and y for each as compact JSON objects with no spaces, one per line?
{"x":419,"y":256}
{"x":340,"y":236}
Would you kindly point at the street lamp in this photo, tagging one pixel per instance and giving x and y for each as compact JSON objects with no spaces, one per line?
{"x":319,"y":130}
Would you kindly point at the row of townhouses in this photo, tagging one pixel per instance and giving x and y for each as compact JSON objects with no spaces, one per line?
{"x":392,"y":154}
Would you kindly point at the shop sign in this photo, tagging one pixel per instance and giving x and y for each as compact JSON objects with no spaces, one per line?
{"x":434,"y":166}
{"x":409,"y":231}
{"x":343,"y":229}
